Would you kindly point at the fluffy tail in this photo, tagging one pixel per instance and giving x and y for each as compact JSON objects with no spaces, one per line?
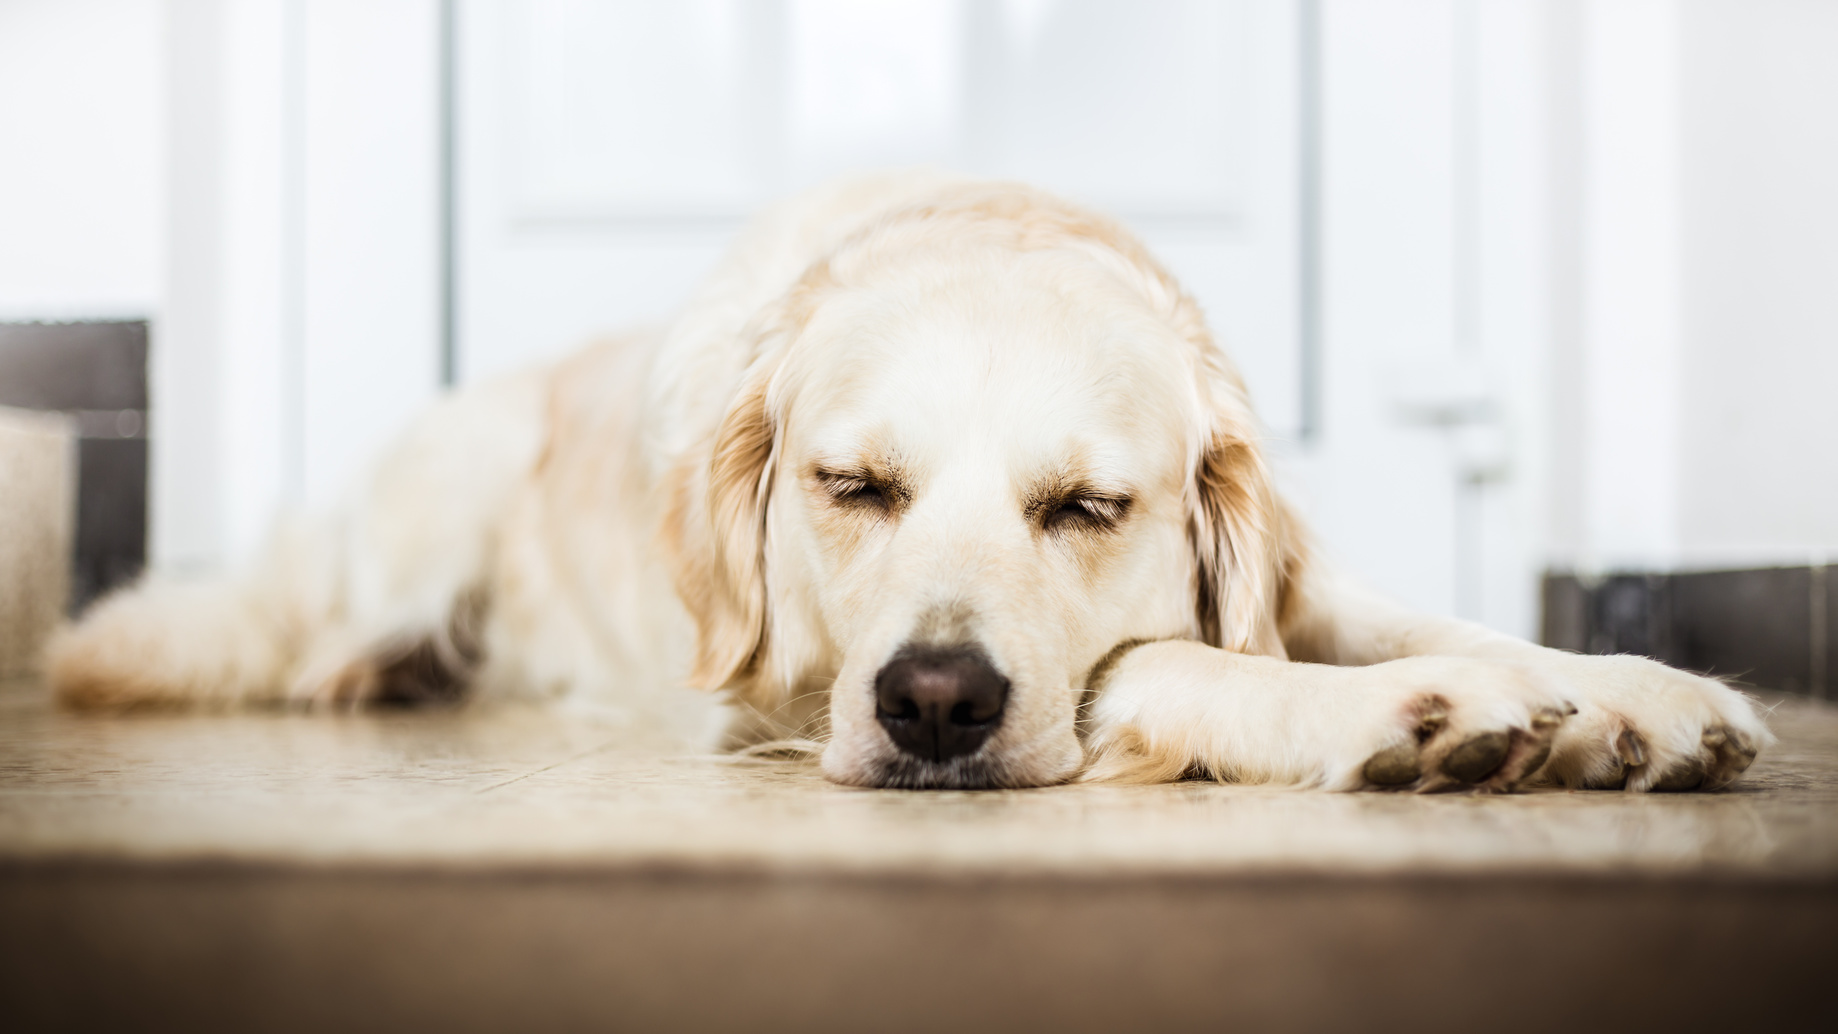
{"x":284,"y":633}
{"x":171,"y":645}
{"x":200,"y":644}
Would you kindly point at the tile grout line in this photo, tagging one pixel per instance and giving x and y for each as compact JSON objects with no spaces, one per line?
{"x":546,"y":768}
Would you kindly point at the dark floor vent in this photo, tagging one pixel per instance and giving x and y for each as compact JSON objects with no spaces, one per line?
{"x":97,"y":373}
{"x":1768,"y":627}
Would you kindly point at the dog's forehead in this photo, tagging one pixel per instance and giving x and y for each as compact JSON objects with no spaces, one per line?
{"x":1042,"y":367}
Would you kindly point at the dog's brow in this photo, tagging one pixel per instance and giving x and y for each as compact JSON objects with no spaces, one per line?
{"x":863,"y":468}
{"x":1068,"y":483}
{"x":1073,"y":480}
{"x":1054,"y":488}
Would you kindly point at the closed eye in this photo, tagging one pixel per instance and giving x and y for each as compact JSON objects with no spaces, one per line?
{"x":861,"y":491}
{"x":1085,"y":513}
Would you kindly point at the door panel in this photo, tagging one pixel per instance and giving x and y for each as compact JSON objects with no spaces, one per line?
{"x":609,"y":150}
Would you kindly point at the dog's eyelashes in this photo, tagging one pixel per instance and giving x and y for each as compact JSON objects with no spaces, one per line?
{"x":863,"y":493}
{"x":856,"y":491}
{"x":1093,"y":513}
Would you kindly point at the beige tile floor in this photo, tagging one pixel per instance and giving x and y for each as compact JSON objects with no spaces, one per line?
{"x":529,"y":786}
{"x":528,"y":869}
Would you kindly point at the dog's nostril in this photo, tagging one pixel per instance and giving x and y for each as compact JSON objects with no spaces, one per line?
{"x":938,"y":703}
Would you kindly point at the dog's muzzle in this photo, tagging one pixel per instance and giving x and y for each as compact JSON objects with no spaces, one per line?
{"x":939,"y":702}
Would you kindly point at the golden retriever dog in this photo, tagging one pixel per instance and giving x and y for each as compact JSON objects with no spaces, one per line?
{"x":944,"y":479}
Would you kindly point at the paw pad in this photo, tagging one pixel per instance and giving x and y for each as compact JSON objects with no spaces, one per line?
{"x":1687,"y":775}
{"x":1394,"y":766}
{"x":1477,"y":758}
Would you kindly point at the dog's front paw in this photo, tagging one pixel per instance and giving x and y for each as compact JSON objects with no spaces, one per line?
{"x":1644,"y":726}
{"x":1461,"y":725}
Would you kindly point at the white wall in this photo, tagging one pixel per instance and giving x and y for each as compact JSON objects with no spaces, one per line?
{"x":82,"y":155}
{"x":260,"y":179}
{"x":1695,"y":144}
{"x":1758,"y":392}
{"x":1630,"y":208}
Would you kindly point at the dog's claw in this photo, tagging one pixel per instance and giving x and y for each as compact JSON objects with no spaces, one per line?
{"x":1430,"y":722}
{"x":1549,"y":719}
{"x":1745,"y":745}
{"x":1631,"y":748}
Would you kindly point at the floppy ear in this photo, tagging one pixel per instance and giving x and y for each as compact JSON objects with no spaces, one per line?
{"x":1235,"y":523}
{"x":716,"y":527}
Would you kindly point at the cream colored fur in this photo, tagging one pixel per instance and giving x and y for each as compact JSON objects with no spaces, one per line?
{"x":1070,"y":478}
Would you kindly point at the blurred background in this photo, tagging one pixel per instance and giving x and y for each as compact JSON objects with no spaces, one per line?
{"x":1539,"y":299}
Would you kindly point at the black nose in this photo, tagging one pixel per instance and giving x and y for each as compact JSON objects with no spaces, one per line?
{"x":938,"y":703}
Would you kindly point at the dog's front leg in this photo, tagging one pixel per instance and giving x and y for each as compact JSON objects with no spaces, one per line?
{"x":1166,"y":710}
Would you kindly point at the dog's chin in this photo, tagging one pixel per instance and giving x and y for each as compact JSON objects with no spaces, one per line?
{"x":978,"y":771}
{"x":984,"y":770}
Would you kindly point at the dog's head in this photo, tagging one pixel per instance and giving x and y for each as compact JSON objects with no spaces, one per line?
{"x":980,"y":446}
